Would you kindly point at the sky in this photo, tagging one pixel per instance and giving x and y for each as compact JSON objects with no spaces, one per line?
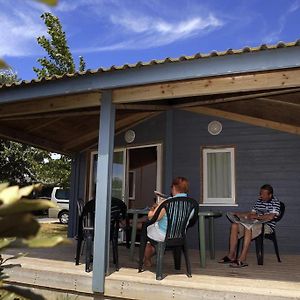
{"x":116,"y":32}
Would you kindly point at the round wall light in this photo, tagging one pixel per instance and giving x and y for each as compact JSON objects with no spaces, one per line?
{"x":129,"y":136}
{"x":214,"y":127}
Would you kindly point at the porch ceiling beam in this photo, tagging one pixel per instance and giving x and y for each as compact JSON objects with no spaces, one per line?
{"x":35,"y":127}
{"x":285,"y":103}
{"x":278,"y":79}
{"x":131,"y":119}
{"x":279,"y":58}
{"x":53,"y":115}
{"x":81,"y":140}
{"x":142,"y":107}
{"x":237,"y":98}
{"x":245,"y":119}
{"x":119,"y":131}
{"x":50,"y":105}
{"x":92,"y":135}
{"x":132,"y":124}
{"x":20,"y":136}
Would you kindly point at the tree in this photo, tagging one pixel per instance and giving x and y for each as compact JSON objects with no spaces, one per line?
{"x":15,"y":163}
{"x":22,"y":164}
{"x":60,"y":60}
{"x":53,"y":170}
{"x":8,"y":76}
{"x":3,"y":64}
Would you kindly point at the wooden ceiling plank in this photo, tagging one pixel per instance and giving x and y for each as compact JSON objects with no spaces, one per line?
{"x":208,"y":86}
{"x":128,"y":120}
{"x":35,"y":127}
{"x":236,"y":98}
{"x":275,"y":101}
{"x":92,"y":135}
{"x":149,"y":116}
{"x":22,"y":137}
{"x":50,"y":105}
{"x":245,"y":119}
{"x":94,"y":144}
{"x":81,"y":140}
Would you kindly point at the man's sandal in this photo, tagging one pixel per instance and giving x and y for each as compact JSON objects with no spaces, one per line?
{"x":238,"y":264}
{"x":226,"y":260}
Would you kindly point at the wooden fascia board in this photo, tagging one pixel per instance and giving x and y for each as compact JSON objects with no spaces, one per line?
{"x":278,"y":79}
{"x":50,"y":105}
{"x":244,"y":119}
{"x":22,"y":137}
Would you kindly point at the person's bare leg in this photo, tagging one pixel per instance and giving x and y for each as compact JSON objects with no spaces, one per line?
{"x":149,"y":252}
{"x":233,"y":240}
{"x":246,"y":244}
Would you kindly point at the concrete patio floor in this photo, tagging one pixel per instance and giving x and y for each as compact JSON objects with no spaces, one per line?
{"x":55,"y":269}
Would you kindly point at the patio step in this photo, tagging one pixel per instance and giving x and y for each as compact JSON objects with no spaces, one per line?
{"x":129,"y":284}
{"x":49,"y":274}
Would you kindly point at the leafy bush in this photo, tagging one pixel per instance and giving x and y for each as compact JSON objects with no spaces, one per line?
{"x":18,"y":227}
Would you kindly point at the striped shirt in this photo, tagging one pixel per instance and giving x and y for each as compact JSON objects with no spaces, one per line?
{"x":267,"y":207}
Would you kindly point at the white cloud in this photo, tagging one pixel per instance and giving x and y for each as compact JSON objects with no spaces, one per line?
{"x":141,"y":25}
{"x":294,"y":7}
{"x":19,"y":29}
{"x":274,"y":36}
{"x":138,"y":28}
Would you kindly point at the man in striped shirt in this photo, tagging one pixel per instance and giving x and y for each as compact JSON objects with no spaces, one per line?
{"x":266,"y":209}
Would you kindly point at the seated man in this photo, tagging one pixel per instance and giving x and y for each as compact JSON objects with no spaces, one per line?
{"x":266,"y":208}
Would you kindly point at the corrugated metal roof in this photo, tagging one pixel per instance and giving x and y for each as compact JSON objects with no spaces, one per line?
{"x":140,"y":64}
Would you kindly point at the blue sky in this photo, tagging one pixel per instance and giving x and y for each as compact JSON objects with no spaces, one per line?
{"x":115,"y":32}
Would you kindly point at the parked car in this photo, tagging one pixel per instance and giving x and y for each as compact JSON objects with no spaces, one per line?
{"x":61,"y":198}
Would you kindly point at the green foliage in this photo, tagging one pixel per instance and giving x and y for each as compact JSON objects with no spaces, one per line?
{"x":22,"y":164}
{"x":51,"y":171}
{"x":19,"y":227}
{"x":60,"y":60}
{"x":8,"y":76}
{"x":15,"y":162}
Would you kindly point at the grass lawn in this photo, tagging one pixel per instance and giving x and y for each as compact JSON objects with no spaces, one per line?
{"x":49,"y":230}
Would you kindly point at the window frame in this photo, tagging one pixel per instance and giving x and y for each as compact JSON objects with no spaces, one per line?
{"x":206,"y":201}
{"x":131,"y":197}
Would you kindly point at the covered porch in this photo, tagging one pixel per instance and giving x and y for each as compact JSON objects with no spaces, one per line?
{"x":259,"y":87}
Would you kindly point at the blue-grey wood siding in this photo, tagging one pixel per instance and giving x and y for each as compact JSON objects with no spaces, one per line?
{"x":262,"y":156}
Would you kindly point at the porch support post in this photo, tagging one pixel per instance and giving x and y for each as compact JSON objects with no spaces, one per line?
{"x":103,"y":191}
{"x":168,"y":151}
